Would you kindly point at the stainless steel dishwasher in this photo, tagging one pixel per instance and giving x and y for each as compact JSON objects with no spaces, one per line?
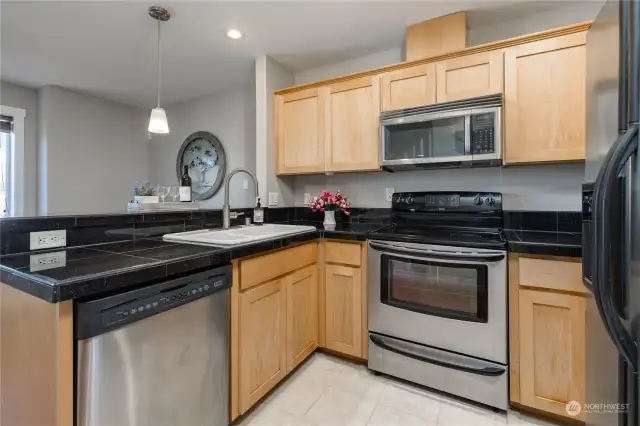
{"x":156,"y":356}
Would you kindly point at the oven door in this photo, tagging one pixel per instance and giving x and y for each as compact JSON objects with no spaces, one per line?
{"x":447,"y":297}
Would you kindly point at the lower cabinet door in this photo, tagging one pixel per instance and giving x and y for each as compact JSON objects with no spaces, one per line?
{"x":552,"y":350}
{"x":302,"y":315}
{"x":262,"y":340}
{"x":343,"y":309}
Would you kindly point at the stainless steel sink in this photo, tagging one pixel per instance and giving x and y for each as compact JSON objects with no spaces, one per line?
{"x":235,"y":236}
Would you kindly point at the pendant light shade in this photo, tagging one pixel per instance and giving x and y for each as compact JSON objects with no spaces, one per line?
{"x":158,"y":120}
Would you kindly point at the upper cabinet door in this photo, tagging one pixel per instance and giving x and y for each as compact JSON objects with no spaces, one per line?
{"x":353,"y":129}
{"x":545,"y":103}
{"x":300,"y":132}
{"x":408,"y":87}
{"x":470,"y":76}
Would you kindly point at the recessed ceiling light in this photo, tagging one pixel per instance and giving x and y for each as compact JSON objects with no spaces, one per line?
{"x":234,"y":34}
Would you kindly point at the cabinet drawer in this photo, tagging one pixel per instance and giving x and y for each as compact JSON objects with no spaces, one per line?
{"x":551,"y":274}
{"x":263,"y":268}
{"x":343,"y":253}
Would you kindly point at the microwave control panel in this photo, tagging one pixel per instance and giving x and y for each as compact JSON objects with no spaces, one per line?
{"x":482,"y":138}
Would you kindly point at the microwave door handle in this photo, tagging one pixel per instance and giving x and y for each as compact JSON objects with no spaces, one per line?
{"x":445,"y":255}
{"x":467,"y":134}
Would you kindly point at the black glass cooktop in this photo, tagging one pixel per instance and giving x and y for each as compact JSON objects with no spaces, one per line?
{"x":450,"y":236}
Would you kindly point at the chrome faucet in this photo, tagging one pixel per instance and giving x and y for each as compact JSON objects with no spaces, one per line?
{"x":226,"y":210}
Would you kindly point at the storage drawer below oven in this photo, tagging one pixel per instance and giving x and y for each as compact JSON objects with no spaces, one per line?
{"x":478,"y":380}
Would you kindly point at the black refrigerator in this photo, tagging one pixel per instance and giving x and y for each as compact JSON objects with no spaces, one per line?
{"x":611,"y":217}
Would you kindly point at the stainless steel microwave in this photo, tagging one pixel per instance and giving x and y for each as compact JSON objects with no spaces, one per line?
{"x":452,"y":134}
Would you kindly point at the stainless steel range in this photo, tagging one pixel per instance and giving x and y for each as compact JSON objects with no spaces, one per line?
{"x":438,"y":294}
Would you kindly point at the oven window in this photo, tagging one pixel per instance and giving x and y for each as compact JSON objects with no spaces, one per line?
{"x":450,"y":290}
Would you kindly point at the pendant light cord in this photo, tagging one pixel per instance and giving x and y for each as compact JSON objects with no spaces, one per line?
{"x":158,"y":63}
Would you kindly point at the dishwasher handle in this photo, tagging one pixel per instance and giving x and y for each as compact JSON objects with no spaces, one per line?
{"x":106,"y":314}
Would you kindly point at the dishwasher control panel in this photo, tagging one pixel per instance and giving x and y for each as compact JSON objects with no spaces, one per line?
{"x":161,"y":302}
{"x":103,"y":315}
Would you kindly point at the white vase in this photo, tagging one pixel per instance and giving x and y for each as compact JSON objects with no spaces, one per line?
{"x":329,"y":219}
{"x":143,"y":199}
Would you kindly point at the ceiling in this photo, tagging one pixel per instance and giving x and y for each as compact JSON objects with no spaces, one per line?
{"x":108,"y":49}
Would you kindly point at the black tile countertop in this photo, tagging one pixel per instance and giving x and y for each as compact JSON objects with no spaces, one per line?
{"x":94,"y":270}
{"x":542,"y":242}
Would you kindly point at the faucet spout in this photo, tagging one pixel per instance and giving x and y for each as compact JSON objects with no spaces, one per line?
{"x":226,"y":210}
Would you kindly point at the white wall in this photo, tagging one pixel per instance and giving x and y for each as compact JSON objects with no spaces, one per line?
{"x":270,"y":77}
{"x":544,"y":188}
{"x":553,"y":18}
{"x":90,"y":152}
{"x":558,"y":17}
{"x":374,"y":60}
{"x":230,"y":116}
{"x":25,"y":98}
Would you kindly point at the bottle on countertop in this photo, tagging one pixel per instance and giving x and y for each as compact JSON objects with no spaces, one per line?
{"x":185,"y":186}
{"x":258,"y":213}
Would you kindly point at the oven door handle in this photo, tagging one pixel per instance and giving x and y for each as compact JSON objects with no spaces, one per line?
{"x":483,"y":371}
{"x":437,"y":254}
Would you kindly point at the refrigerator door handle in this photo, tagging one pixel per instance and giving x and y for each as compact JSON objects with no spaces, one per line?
{"x":605,"y":185}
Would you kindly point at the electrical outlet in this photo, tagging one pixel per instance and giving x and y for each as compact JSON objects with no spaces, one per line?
{"x":47,"y":239}
{"x":273,"y":198}
{"x":389,"y":193}
{"x":307,"y":197}
{"x":42,"y":261}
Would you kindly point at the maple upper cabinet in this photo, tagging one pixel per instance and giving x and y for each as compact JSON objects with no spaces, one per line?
{"x":302,"y":315}
{"x":352,"y":141}
{"x":408,"y":87}
{"x":544,"y":100}
{"x":262,"y":340}
{"x":552,"y":350}
{"x":300,"y":132}
{"x":469,"y":76}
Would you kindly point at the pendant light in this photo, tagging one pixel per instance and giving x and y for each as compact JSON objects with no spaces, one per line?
{"x":158,"y":121}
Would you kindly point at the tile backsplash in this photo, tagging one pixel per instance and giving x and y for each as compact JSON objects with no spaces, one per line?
{"x":543,"y":221}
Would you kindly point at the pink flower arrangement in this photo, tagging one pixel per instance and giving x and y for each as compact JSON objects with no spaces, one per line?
{"x":330,"y":202}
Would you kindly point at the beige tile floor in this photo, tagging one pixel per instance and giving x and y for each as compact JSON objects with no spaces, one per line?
{"x":330,"y":391}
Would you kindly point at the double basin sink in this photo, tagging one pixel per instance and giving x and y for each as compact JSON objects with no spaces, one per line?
{"x":236,"y":236}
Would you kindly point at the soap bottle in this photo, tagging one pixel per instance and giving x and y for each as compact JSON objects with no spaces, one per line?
{"x":258,"y":213}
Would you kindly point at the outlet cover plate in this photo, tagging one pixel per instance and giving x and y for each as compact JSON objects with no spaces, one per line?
{"x":389,"y":193}
{"x":273,"y":198}
{"x":47,"y":239}
{"x":42,"y":261}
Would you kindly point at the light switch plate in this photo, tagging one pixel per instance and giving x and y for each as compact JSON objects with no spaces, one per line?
{"x":42,"y":261}
{"x":389,"y":193}
{"x":273,"y":198}
{"x":47,"y":239}
{"x":307,"y":197}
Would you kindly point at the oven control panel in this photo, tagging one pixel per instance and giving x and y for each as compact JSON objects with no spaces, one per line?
{"x":447,"y":201}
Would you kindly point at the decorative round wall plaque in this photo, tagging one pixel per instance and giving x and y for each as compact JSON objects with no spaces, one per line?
{"x":207,"y":161}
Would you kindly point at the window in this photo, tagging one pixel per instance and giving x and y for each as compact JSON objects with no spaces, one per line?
{"x":11,"y":161}
{"x":5,"y":146}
